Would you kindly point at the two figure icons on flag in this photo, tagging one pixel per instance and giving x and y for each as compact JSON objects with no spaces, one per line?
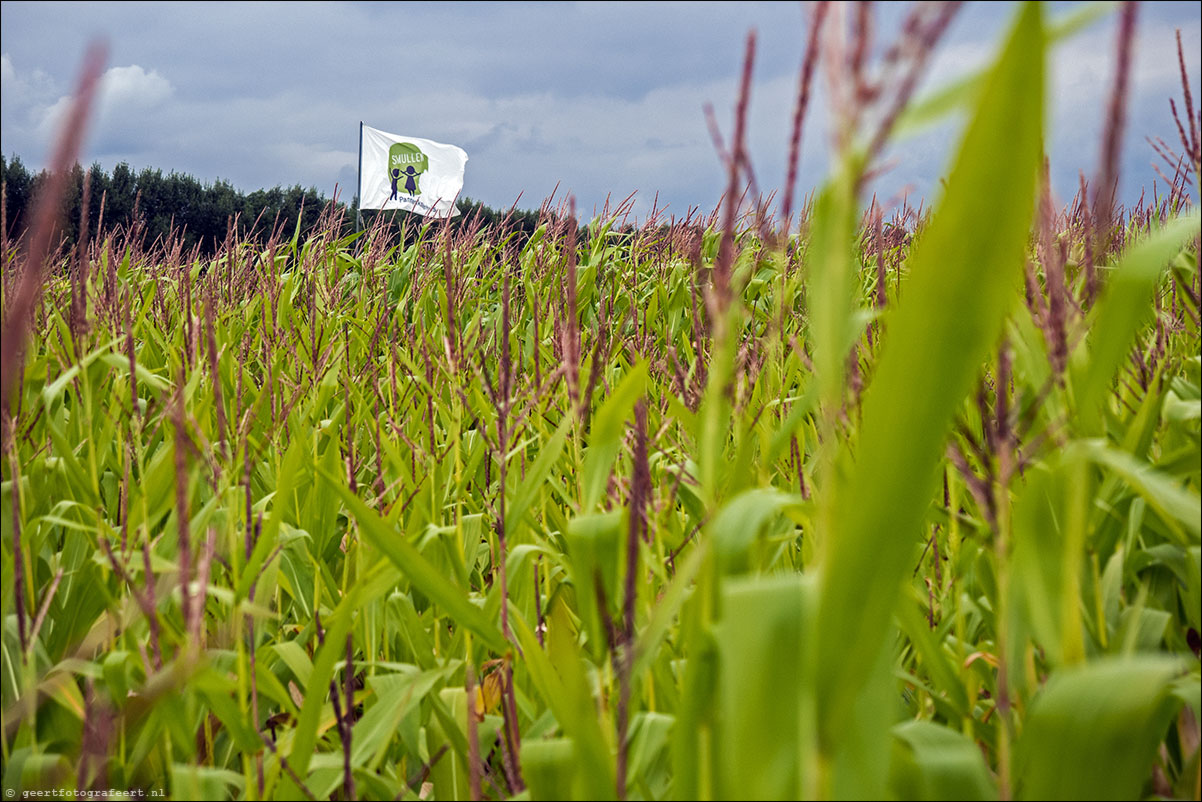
{"x":406,"y":163}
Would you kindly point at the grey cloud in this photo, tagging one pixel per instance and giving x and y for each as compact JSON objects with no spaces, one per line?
{"x":600,"y":98}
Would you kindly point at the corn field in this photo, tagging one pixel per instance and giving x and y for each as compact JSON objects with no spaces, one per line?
{"x":849,"y":503}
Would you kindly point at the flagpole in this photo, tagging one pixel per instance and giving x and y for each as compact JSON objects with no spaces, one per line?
{"x":359,"y":185}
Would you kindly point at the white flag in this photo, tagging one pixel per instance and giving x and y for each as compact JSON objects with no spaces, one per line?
{"x":404,"y":172}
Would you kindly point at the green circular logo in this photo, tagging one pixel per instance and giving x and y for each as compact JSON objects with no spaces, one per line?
{"x":406,"y":163}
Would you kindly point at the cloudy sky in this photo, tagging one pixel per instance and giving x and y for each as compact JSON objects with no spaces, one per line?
{"x":599,"y":98}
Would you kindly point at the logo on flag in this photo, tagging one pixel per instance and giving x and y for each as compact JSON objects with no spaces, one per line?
{"x":417,"y":175}
{"x":406,"y":163}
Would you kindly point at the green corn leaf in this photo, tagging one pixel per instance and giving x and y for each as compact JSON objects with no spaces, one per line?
{"x":559,"y":676}
{"x":294,"y":656}
{"x":933,"y":762}
{"x":668,"y":606}
{"x":1121,"y":310}
{"x":605,"y":437}
{"x":1180,"y":508}
{"x":536,"y":476}
{"x":424,"y":576}
{"x":396,"y":695}
{"x":269,"y":536}
{"x":736,"y":526}
{"x":1092,"y":732}
{"x":331,"y":654}
{"x":951,"y":313}
{"x":549,"y":768}
{"x":760,"y":646}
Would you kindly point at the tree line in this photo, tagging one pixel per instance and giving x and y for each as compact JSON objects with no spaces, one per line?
{"x":172,"y":204}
